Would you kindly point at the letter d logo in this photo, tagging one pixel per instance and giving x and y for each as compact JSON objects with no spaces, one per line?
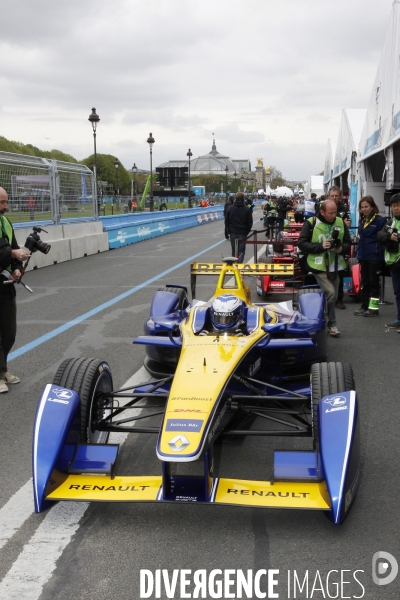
{"x":380,"y":565}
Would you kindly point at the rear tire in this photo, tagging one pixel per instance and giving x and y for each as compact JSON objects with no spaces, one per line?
{"x":89,"y":378}
{"x":328,"y":378}
{"x":180,"y":292}
{"x":308,"y":291}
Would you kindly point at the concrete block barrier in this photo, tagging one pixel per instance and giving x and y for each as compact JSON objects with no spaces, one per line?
{"x":60,"y":252}
{"x":127,"y":229}
{"x":77,"y":230}
{"x":76,"y":240}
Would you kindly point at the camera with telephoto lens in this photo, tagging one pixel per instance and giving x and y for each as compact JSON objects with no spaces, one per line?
{"x":34,"y":243}
{"x":335,"y":242}
{"x":394,"y":230}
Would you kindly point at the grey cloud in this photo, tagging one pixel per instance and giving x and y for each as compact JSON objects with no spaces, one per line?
{"x":190,"y":69}
{"x":233,"y":133}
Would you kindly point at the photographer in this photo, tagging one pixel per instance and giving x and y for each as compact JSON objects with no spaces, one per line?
{"x":11,"y":257}
{"x":389,"y":238}
{"x":325,"y":240}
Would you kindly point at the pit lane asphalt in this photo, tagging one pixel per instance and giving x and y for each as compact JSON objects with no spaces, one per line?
{"x":114,"y":541}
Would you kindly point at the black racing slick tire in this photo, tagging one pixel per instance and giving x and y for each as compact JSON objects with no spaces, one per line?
{"x":180,"y":292}
{"x":328,"y":378}
{"x":91,"y":379}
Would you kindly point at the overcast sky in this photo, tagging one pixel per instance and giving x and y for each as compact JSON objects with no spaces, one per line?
{"x":268,"y":77}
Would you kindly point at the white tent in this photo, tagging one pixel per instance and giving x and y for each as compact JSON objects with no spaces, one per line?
{"x":382,"y":125}
{"x":328,"y":169}
{"x":349,"y":137}
{"x":283,"y":191}
{"x":379,"y":154}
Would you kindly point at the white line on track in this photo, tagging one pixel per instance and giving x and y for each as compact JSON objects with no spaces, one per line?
{"x":37,"y":560}
{"x":17,"y":510}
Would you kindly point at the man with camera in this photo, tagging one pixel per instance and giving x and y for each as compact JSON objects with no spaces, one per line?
{"x":325,"y":240}
{"x":389,"y":238}
{"x":11,"y":257}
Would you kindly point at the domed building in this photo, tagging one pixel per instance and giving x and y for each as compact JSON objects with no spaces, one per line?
{"x":213,"y":162}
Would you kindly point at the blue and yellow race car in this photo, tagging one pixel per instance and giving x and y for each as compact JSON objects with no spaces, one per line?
{"x":222,"y":371}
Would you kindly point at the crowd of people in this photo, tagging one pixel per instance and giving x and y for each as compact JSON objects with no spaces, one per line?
{"x":325,"y":242}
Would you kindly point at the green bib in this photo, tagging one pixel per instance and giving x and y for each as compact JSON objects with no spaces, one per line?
{"x":6,"y":232}
{"x":321,"y":233}
{"x":391,"y":257}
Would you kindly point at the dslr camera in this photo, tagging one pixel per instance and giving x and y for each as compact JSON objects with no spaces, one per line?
{"x":393,"y":230}
{"x":335,"y":242}
{"x":34,"y":243}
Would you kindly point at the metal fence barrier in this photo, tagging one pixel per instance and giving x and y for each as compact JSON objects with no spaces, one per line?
{"x":46,"y":190}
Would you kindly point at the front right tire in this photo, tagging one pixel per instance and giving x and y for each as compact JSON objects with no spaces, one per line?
{"x":91,"y":379}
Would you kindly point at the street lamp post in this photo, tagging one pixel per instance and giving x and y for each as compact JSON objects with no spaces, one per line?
{"x":133,"y":190}
{"x":150,"y":141}
{"x":226,"y":183}
{"x":189,"y":154}
{"x":94,"y":119}
{"x":116,"y":165}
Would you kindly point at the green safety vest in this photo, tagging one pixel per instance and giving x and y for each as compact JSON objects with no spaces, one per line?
{"x":272,"y":208}
{"x":391,"y":257}
{"x":6,"y":232}
{"x":321,"y":233}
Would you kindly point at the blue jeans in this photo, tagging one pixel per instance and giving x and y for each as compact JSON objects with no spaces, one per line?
{"x":241,"y":247}
{"x":396,"y":290}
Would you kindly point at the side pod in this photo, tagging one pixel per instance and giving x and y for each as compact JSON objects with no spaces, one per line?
{"x":339,"y":434}
{"x":55,"y":436}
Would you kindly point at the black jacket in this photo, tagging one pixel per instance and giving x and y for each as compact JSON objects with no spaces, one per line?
{"x":283,"y":206}
{"x":384,"y":236}
{"x":238,"y":218}
{"x":306,"y":246}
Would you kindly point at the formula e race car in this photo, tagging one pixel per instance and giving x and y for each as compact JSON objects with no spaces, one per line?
{"x":226,"y":371}
{"x":286,"y":276}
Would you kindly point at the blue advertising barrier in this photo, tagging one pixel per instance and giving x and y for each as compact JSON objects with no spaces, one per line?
{"x":131,"y":228}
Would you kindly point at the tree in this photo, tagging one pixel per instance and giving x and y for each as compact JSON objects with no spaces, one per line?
{"x":277,"y":178}
{"x":28,"y":149}
{"x":106,"y":171}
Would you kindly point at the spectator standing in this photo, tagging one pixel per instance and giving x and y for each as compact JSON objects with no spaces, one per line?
{"x":282,"y":208}
{"x":238,"y":224}
{"x":335,"y":194}
{"x":370,"y":256}
{"x":326,"y":240}
{"x":389,"y":238}
{"x":11,"y":257}
{"x":270,"y":216}
{"x":130,"y":205}
{"x":310,"y":206}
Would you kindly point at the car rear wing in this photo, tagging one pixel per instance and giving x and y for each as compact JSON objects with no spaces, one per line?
{"x":242,"y":269}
